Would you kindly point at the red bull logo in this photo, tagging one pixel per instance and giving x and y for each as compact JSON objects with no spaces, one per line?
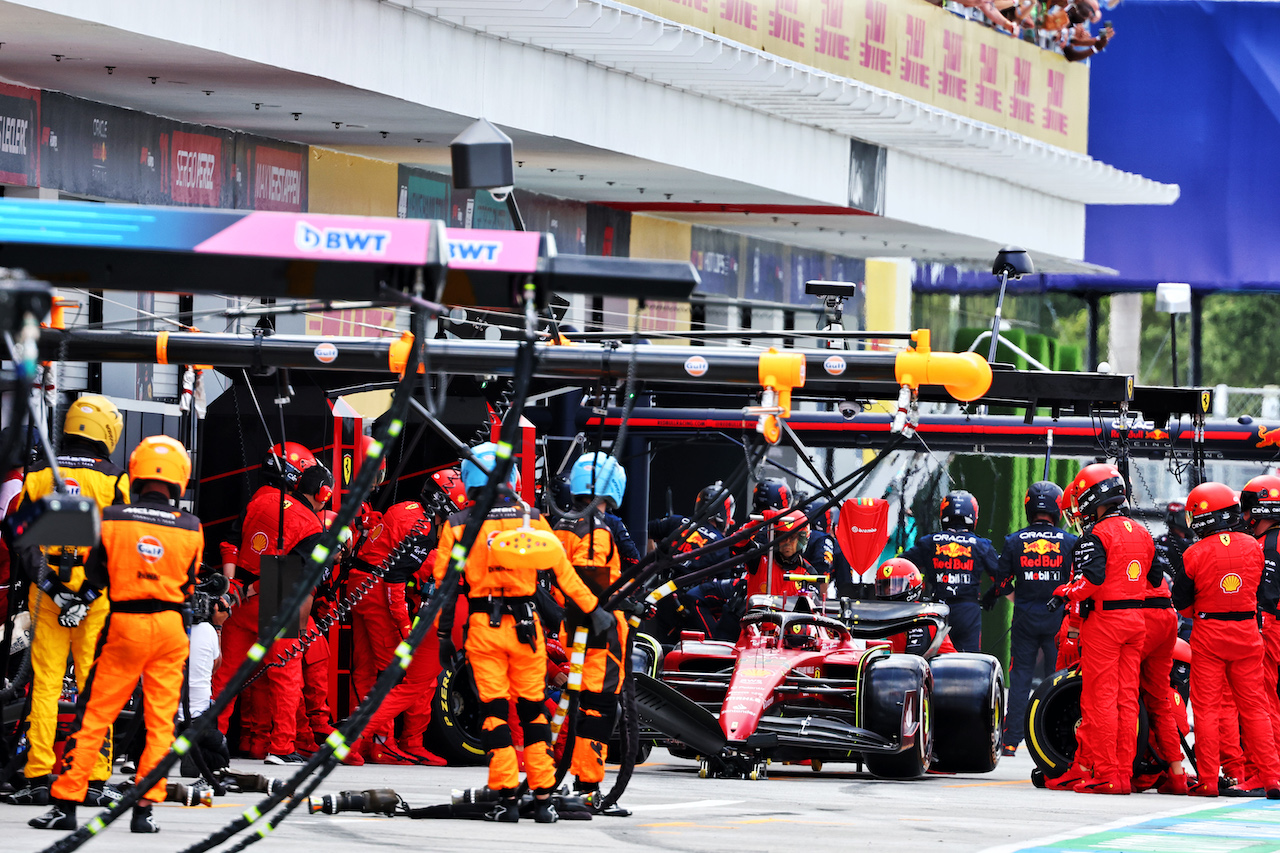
{"x":1268,"y":437}
{"x":955,"y":549}
{"x":1043,"y":546}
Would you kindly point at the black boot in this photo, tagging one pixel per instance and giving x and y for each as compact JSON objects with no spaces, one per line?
{"x":142,"y":820}
{"x":544,"y":811}
{"x":505,"y":810}
{"x":101,"y":794}
{"x":61,"y":816}
{"x":34,"y":792}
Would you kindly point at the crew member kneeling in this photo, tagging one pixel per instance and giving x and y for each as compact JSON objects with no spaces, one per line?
{"x":504,"y":643}
{"x":147,"y":559}
{"x":1218,"y":588}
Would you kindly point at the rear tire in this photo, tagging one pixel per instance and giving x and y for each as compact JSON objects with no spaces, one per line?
{"x":968,"y":704}
{"x":454,"y":731}
{"x":889,"y":683}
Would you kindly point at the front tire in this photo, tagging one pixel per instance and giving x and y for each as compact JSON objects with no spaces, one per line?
{"x":454,"y":731}
{"x":891,"y":685}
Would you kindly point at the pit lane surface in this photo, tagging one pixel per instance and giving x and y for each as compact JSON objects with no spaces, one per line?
{"x":795,"y":810}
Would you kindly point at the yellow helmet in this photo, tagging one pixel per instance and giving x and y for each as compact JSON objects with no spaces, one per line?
{"x":159,"y":457}
{"x":96,"y":418}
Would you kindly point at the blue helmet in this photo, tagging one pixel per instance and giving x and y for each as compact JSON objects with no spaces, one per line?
{"x":473,"y":476}
{"x":598,"y":474}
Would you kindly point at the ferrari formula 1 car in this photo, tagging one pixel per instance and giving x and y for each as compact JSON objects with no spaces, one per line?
{"x":801,"y":685}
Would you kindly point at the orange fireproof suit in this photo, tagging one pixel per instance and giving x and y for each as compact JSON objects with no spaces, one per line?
{"x":147,"y":559}
{"x":504,"y":641}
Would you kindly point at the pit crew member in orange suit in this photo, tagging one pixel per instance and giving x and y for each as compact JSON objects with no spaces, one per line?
{"x":899,"y":580}
{"x":308,"y":486}
{"x":1112,"y":560}
{"x":384,"y":621}
{"x":1218,"y":587}
{"x":594,"y":541}
{"x":504,"y":642}
{"x":66,"y":617}
{"x":147,"y":560}
{"x":1034,"y":562}
{"x":770,"y":574}
{"x":953,"y":562}
{"x":1260,"y":507}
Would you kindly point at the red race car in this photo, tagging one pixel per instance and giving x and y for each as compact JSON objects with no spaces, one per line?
{"x":823,"y":687}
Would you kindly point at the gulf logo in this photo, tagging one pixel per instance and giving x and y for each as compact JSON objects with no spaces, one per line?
{"x":150,"y":548}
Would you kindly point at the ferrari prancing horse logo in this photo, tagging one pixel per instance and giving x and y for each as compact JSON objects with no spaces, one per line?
{"x":1225,"y":538}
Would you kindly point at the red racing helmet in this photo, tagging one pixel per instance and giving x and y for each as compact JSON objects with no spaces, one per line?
{"x":1260,"y":499}
{"x":1212,"y":507}
{"x":1096,"y":486}
{"x":898,"y":579}
{"x":283,"y":467}
{"x":792,"y":524}
{"x":365,"y":442}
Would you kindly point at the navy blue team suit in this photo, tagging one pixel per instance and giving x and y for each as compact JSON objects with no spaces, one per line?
{"x":1034,"y":562}
{"x":953,"y":562}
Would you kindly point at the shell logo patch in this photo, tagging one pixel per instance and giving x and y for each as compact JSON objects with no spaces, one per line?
{"x":1225,"y":538}
{"x":375,"y":533}
{"x":1231,"y":583}
{"x":259,"y":542}
{"x":1134,"y":570}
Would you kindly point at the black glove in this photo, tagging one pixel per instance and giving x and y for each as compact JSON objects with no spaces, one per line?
{"x":447,"y":652}
{"x":73,"y":609}
{"x":989,"y":599}
{"x":602,"y":621}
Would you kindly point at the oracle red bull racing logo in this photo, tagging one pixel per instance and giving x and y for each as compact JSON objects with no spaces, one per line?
{"x":1042,"y":547}
{"x":955,"y":549}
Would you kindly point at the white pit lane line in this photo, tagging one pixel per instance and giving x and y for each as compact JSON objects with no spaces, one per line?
{"x":1074,"y":834}
{"x":689,"y":804}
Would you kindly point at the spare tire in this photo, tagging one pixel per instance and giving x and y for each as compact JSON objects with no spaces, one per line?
{"x":968,"y":709}
{"x":1053,"y":715}
{"x":454,"y":731}
{"x":889,"y":685}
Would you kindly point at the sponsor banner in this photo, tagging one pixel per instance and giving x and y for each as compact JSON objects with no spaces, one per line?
{"x":270,"y":175}
{"x":424,"y":195}
{"x":766,"y":271}
{"x":483,"y":249}
{"x":101,"y":151}
{"x":608,"y":231}
{"x":717,"y":256}
{"x":195,"y":168}
{"x":19,"y":135}
{"x":321,"y":237}
{"x":914,"y":49}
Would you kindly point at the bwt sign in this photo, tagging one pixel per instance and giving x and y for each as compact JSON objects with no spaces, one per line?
{"x":347,"y":241}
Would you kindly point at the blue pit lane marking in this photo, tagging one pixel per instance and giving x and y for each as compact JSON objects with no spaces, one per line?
{"x":1249,"y":826}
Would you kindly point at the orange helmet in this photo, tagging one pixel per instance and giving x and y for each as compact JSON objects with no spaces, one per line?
{"x":1260,"y":499}
{"x":1212,"y":507}
{"x":365,"y":442}
{"x":1096,"y":486}
{"x":898,"y":579}
{"x":159,"y":457}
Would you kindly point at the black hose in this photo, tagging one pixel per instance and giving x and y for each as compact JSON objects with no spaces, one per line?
{"x":318,"y":560}
{"x":629,"y":732}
